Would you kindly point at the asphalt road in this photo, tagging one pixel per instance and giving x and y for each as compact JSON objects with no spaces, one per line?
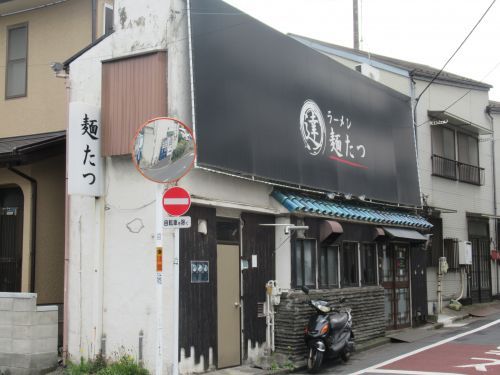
{"x":469,"y":349}
{"x":171,"y":171}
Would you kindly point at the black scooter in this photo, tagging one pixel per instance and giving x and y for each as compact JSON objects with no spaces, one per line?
{"x":328,"y":333}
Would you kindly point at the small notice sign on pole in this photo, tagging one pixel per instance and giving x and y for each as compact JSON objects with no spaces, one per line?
{"x":177,"y":222}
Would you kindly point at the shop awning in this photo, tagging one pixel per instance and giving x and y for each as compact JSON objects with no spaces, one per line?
{"x":296,"y":202}
{"x":329,"y":228}
{"x":30,"y":148}
{"x":408,"y":234}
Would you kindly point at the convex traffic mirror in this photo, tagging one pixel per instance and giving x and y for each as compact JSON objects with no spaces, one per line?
{"x":163,"y":150}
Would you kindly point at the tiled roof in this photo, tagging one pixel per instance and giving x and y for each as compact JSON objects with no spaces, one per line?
{"x":296,"y":202}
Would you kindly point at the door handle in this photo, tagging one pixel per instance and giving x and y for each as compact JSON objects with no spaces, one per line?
{"x":236,"y":305}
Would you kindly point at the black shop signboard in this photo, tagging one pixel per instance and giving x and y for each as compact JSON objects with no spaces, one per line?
{"x":266,"y":105}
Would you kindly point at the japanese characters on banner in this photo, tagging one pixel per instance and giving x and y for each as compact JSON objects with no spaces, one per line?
{"x":85,"y":165}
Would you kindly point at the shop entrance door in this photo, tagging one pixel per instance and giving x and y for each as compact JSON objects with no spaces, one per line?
{"x":228,"y":306}
{"x":396,"y":281}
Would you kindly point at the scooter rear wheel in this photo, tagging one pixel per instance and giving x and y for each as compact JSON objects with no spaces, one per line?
{"x":314,"y":360}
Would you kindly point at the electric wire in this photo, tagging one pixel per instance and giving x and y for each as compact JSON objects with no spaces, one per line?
{"x":454,"y":53}
{"x":464,"y":95}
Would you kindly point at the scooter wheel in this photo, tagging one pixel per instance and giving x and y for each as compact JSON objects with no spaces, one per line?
{"x":345,"y":356}
{"x":314,"y":360}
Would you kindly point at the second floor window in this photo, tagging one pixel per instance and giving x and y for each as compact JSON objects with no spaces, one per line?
{"x":17,"y":56}
{"x":456,"y":156}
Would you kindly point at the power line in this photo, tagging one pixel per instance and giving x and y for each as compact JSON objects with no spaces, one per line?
{"x":454,"y":53}
{"x":464,"y":95}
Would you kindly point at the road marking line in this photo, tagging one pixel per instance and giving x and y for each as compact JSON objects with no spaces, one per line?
{"x":388,"y":362}
{"x":412,"y":372}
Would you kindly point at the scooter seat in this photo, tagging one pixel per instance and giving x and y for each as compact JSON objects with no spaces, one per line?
{"x":338,"y":320}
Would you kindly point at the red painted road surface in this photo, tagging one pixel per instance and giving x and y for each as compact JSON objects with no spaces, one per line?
{"x":451,"y":358}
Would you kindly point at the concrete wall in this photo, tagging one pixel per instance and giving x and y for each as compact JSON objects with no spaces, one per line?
{"x":54,"y":34}
{"x":28,"y":335}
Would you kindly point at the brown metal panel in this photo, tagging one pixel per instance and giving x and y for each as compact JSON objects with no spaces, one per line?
{"x":134,"y":90}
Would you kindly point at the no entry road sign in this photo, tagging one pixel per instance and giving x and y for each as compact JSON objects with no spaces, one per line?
{"x":176,"y":201}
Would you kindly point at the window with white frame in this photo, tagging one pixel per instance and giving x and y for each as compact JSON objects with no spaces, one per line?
{"x":347,"y":265}
{"x":17,"y":57}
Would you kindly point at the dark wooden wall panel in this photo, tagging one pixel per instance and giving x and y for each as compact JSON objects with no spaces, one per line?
{"x":198,"y":302}
{"x":134,"y":90}
{"x":257,"y":240}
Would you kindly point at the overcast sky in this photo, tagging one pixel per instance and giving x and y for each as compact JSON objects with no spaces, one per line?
{"x":423,"y":31}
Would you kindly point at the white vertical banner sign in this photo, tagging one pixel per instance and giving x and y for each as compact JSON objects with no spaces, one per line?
{"x":85,"y":164}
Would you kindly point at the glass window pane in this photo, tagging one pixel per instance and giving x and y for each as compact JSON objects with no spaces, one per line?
{"x":368,"y":264}
{"x":473,"y":151}
{"x":298,"y":263}
{"x":448,"y":144}
{"x":309,"y":274}
{"x":437,"y":140}
{"x":349,"y":264}
{"x":17,"y":43}
{"x":16,"y":78}
{"x":108,"y":28}
{"x":323,"y":269}
{"x":332,"y":266}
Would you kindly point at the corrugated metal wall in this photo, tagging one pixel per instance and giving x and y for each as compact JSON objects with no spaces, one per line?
{"x":134,"y":90}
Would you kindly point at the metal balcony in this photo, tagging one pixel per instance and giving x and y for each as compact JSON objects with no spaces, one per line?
{"x":455,"y":170}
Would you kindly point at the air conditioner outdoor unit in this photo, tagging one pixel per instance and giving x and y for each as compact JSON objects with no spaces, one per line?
{"x":369,"y":71}
{"x":465,"y":253}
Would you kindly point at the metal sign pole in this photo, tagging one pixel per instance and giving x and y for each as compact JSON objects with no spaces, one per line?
{"x":159,"y":278}
{"x":175,"y":343}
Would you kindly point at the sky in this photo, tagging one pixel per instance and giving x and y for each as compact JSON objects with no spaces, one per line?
{"x":422,"y":31}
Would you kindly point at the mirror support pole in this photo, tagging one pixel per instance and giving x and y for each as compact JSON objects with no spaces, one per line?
{"x":159,"y":277}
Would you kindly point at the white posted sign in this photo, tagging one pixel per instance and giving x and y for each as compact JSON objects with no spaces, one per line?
{"x":85,"y":165}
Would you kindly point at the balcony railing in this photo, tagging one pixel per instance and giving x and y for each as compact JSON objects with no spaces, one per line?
{"x":455,"y":170}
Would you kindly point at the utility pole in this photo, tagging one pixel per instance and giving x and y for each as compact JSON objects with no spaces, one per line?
{"x":355,"y":23}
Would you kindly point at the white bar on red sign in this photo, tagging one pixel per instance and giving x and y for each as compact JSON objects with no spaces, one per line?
{"x":183,"y":201}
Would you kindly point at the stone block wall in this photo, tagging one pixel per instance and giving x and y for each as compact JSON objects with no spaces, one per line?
{"x":28,"y":335}
{"x":293,"y":313}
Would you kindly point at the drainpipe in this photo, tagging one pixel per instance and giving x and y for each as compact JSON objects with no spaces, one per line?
{"x":33,"y":222}
{"x":494,"y":190}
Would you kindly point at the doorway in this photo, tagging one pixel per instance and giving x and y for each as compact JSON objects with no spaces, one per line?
{"x":480,"y":274}
{"x":11,"y":239}
{"x":228,"y":294}
{"x":396,"y":283}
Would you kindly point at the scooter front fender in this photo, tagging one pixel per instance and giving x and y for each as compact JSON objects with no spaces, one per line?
{"x":318,"y":345}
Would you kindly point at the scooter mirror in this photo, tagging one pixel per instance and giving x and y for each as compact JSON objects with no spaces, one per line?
{"x":305,"y":289}
{"x":342,"y":299}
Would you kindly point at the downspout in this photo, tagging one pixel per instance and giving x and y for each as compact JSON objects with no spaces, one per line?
{"x":66,"y":236}
{"x":488,"y":112}
{"x":34,"y":186}
{"x":94,"y":20}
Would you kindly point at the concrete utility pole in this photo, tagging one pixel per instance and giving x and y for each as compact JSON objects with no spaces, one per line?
{"x":355,"y":23}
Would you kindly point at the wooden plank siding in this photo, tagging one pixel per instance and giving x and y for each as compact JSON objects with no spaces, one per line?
{"x":198,"y":301}
{"x":134,"y":90}
{"x":257,"y":240}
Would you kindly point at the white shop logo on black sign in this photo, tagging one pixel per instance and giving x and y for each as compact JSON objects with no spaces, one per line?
{"x":314,"y":128}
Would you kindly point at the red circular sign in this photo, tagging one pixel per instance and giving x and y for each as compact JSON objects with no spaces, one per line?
{"x":176,"y":201}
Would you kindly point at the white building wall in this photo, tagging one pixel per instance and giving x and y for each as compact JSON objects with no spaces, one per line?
{"x":112,"y":249}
